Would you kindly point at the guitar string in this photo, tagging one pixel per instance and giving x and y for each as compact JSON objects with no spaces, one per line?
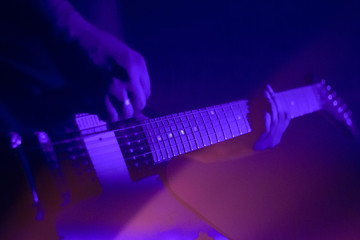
{"x":242,"y":130}
{"x":152,"y":120}
{"x":185,"y":129}
{"x":182,"y":141}
{"x":169,"y":117}
{"x":188,"y":127}
{"x":203,"y":123}
{"x":164,"y":148}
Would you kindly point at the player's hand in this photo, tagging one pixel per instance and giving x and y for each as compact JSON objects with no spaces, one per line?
{"x":276,"y":119}
{"x":128,"y":82}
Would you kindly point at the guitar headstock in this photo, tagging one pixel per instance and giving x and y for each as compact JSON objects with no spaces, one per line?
{"x":335,"y":106}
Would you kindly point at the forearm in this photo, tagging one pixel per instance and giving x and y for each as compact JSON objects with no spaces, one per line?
{"x":63,"y":17}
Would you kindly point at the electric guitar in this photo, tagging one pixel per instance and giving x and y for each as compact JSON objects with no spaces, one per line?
{"x":124,"y":159}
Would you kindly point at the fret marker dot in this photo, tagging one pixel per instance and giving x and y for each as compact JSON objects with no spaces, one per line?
{"x":158,"y":138}
{"x":239,"y":117}
{"x":170,"y":135}
{"x":182,"y":132}
{"x":292,"y":103}
{"x":212,"y":112}
{"x":195,"y":129}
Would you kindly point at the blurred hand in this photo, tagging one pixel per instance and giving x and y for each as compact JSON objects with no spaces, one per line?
{"x":126,"y":93}
{"x":276,"y":122}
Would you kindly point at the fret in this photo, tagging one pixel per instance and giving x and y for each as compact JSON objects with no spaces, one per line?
{"x":283,"y":102}
{"x":305,"y":101}
{"x":166,"y":137}
{"x":155,"y":145}
{"x":245,"y":110}
{"x":292,"y":102}
{"x":210,"y":126}
{"x":171,"y":136}
{"x":302,"y":102}
{"x":226,"y":108}
{"x":299,"y":102}
{"x":223,"y":122}
{"x":311,"y":99}
{"x":239,"y":117}
{"x":183,"y":136}
{"x":316,"y":95}
{"x":192,"y":124}
{"x":188,"y":132}
{"x":236,"y":119}
{"x":203,"y":128}
{"x":221,"y":117}
{"x":197,"y":128}
{"x":230,"y":120}
{"x":217,"y":127}
{"x":150,"y":138}
{"x":159,"y":140}
{"x":176,"y":134}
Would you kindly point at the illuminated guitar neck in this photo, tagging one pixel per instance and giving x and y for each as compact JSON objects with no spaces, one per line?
{"x":150,"y":142}
{"x":301,"y":101}
{"x":175,"y":134}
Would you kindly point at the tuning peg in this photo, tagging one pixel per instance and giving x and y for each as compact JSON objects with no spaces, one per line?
{"x":15,"y":140}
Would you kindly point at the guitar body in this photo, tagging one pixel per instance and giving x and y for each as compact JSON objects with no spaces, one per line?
{"x":149,"y":213}
{"x":126,"y":209}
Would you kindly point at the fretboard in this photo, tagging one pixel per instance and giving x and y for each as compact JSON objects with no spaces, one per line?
{"x":300,"y":101}
{"x":147,"y":143}
{"x":176,"y":134}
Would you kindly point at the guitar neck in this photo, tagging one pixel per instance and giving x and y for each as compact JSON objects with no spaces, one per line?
{"x":153,"y":141}
{"x":301,"y":101}
{"x":176,"y":134}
